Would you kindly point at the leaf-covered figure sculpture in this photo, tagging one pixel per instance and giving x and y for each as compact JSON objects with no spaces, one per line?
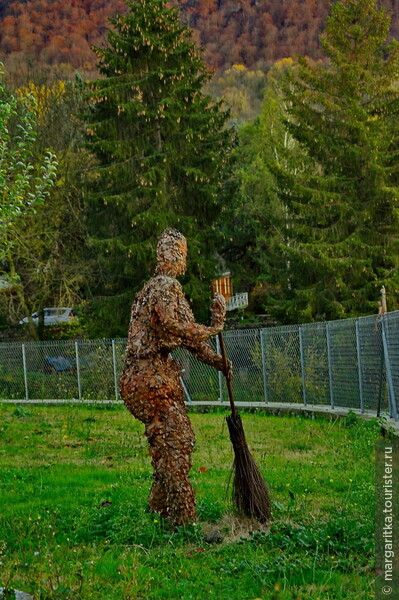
{"x":161,"y":321}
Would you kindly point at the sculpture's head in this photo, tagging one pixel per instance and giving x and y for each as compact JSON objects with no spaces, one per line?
{"x":171,"y":253}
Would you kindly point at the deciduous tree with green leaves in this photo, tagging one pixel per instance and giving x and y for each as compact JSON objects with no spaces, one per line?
{"x":23,"y":184}
{"x":44,"y":257}
{"x":341,"y":234}
{"x":163,"y":153}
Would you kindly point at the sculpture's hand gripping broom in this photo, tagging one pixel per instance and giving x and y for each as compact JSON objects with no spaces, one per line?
{"x":250,"y":493}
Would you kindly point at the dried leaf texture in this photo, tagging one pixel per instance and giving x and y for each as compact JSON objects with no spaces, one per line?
{"x":161,"y":320}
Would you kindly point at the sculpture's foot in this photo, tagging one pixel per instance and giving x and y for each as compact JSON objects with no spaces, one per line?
{"x":181,"y":503}
{"x":177,"y":507}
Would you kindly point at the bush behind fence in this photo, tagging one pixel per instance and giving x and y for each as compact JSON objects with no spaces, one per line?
{"x":351,"y":363}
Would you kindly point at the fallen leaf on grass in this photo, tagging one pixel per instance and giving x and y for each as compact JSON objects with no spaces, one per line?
{"x":194,"y":551}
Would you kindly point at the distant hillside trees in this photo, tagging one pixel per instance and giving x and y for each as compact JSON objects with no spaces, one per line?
{"x":242,"y":91}
{"x":54,"y":37}
{"x":238,"y":31}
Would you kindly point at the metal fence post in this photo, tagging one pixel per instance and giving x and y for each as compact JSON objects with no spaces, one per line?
{"x":185,"y":390}
{"x":78,"y":371}
{"x":359,"y":365}
{"x":330,"y":371}
{"x":25,"y":372}
{"x":116,"y":387}
{"x":303,"y":373}
{"x":219,"y":372}
{"x":264,"y":374}
{"x":391,"y":389}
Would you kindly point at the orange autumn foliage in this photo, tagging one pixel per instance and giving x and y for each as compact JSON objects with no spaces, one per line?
{"x":249,"y":32}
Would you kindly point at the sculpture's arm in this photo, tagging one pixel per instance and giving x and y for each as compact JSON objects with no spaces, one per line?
{"x":205,"y":353}
{"x":176,"y":318}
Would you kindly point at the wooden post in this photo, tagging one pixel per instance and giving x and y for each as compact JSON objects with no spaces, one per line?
{"x":383,"y":300}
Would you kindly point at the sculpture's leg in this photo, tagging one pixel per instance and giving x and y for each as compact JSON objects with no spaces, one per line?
{"x":171,"y":444}
{"x":153,"y":394}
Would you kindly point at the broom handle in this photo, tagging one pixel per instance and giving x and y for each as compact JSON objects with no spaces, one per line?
{"x":225,"y":364}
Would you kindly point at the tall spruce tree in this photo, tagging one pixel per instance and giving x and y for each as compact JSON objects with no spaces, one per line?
{"x":163,"y":151}
{"x":341,"y":235}
{"x":258,"y":226}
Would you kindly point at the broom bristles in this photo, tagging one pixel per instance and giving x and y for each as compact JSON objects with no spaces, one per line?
{"x":250,"y":494}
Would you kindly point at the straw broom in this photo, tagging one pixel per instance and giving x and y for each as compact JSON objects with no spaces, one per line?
{"x":250,"y":494}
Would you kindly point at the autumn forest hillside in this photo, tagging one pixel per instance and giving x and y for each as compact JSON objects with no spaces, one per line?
{"x":56,"y":36}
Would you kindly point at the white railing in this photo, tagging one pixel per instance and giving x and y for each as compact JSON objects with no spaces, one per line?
{"x":237,"y":301}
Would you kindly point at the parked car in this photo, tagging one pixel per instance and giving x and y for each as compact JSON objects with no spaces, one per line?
{"x":53,"y":316}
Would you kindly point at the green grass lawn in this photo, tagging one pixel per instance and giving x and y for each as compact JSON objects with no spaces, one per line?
{"x":73,"y":487}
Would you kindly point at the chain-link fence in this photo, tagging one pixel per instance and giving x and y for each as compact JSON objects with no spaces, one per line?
{"x":352,"y":363}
